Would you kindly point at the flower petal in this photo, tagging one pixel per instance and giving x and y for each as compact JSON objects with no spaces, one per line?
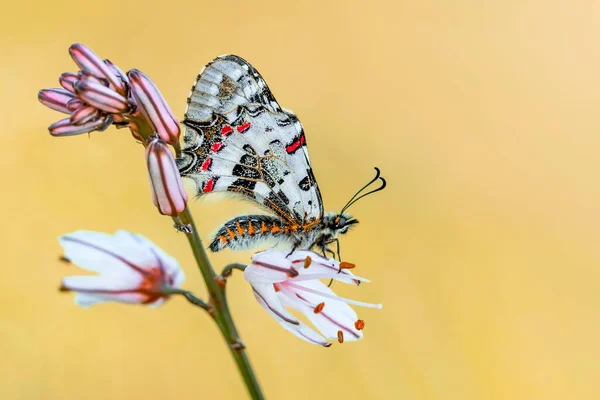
{"x":174,"y":275}
{"x":321,"y":267}
{"x":270,"y":266}
{"x":56,"y":99}
{"x":266,"y":296}
{"x":100,"y":252}
{"x":333,"y":317}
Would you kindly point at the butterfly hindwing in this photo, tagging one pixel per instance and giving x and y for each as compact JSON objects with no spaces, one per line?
{"x":239,"y":140}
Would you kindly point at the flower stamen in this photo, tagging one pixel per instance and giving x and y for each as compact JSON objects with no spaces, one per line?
{"x":342,"y":299}
{"x":340,"y":336}
{"x":359,"y":325}
{"x":307,"y":262}
{"x":319,"y":307}
{"x":347,"y":265}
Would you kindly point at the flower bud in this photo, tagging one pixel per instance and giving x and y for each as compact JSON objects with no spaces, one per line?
{"x":101,"y":97}
{"x":90,"y":62}
{"x":56,"y":99}
{"x":84,"y":115}
{"x":154,"y":107}
{"x":168,"y":194}
{"x":67,"y":80}
{"x":64,"y":127}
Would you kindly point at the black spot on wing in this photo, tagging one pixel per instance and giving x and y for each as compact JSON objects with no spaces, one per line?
{"x":249,"y":149}
{"x":304,"y":184}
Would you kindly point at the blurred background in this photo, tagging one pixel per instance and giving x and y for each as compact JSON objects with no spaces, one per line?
{"x":484,"y":249}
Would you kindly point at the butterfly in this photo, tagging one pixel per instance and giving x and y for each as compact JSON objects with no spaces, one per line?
{"x":239,"y":140}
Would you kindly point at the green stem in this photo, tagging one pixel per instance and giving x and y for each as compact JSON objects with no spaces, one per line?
{"x":220,"y":309}
{"x":228,"y":270}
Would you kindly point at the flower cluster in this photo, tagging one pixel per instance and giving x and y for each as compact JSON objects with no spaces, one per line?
{"x":99,"y":95}
{"x":281,"y":280}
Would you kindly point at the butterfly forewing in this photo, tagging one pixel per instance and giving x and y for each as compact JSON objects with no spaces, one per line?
{"x":238,"y":139}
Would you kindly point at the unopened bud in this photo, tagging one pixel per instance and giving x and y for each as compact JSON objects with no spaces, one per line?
{"x":154,"y":107}
{"x":168,"y":194}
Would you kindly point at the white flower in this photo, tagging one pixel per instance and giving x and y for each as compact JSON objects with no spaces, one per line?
{"x":280,"y":280}
{"x":131,"y":268}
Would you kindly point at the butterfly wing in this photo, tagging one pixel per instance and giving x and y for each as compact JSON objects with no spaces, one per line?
{"x":238,"y":139}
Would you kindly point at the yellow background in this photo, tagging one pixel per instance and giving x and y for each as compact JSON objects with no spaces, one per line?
{"x":484,"y":250}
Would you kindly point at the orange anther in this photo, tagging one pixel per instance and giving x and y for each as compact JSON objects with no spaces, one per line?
{"x":307,"y":262}
{"x":346,"y":265}
{"x":319,"y":308}
{"x":359,"y":324}
{"x":340,"y":336}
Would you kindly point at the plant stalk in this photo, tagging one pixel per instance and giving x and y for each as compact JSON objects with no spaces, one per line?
{"x":220,"y":309}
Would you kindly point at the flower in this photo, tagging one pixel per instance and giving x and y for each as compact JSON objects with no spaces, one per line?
{"x":280,"y":279}
{"x":95,"y":97}
{"x":131,"y":269}
{"x":168,"y":193}
{"x":153,"y":106}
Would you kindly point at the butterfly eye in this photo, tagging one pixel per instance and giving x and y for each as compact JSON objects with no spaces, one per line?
{"x":341,"y":221}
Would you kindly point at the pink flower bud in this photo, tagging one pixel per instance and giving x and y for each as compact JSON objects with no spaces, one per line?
{"x":117,"y":71}
{"x":154,"y":107}
{"x":67,"y":80}
{"x":74,"y":104}
{"x":56,"y":99}
{"x":100,"y":96}
{"x":90,"y":62}
{"x":64,"y":127}
{"x":168,"y":194}
{"x":131,"y":269}
{"x":84,"y":115}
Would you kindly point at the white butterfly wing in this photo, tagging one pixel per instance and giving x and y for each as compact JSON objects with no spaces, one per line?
{"x":238,"y":139}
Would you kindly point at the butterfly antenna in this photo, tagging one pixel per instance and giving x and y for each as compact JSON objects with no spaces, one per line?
{"x":354,"y":198}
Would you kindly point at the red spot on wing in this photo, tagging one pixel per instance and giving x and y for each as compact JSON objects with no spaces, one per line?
{"x":226,"y":130}
{"x":216,"y":147}
{"x":206,"y":164}
{"x":209,"y":185}
{"x":295,"y":145}
{"x":244,"y":127}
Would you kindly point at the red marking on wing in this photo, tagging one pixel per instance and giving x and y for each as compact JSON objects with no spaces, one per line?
{"x":209,"y":185}
{"x":295,"y":145}
{"x":244,"y":127}
{"x":216,"y":147}
{"x":206,"y":164}
{"x":226,"y":130}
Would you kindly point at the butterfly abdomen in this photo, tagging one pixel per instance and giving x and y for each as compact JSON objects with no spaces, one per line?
{"x":247,"y":231}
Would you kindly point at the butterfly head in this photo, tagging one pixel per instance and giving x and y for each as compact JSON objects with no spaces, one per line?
{"x":339,"y":224}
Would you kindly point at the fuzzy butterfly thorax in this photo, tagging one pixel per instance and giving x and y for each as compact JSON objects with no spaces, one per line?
{"x":239,"y":140}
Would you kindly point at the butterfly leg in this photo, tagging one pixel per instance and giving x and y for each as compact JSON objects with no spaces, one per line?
{"x":181,"y":227}
{"x":294,"y":247}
